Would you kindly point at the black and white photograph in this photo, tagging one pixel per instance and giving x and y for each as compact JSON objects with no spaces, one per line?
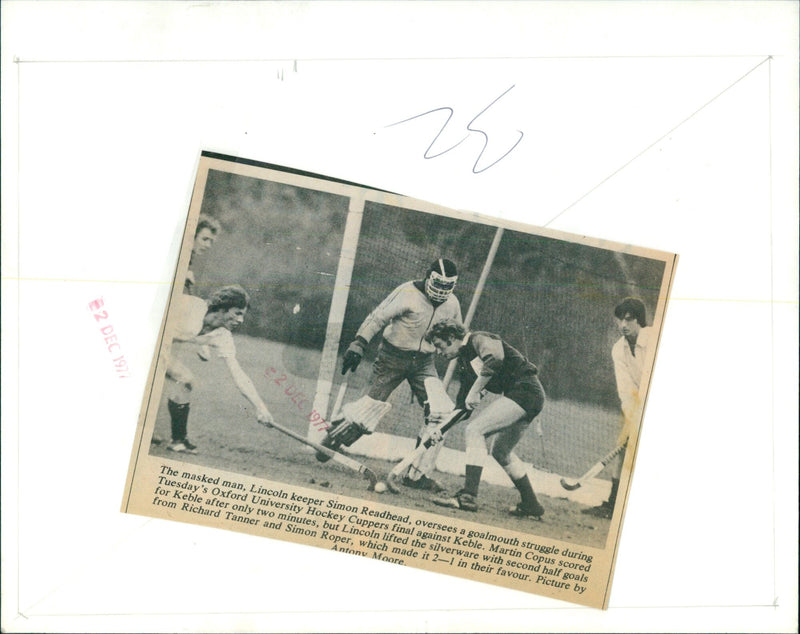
{"x":371,"y":374}
{"x":262,"y":267}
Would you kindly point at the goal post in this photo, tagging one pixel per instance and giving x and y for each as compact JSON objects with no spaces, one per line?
{"x":333,"y":333}
{"x":476,"y":296}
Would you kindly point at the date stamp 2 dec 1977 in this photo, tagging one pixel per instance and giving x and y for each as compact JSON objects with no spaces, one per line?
{"x":110,"y":339}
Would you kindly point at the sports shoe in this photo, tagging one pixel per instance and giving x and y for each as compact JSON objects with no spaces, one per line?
{"x":604,"y":511}
{"x":461,"y":500}
{"x":522,"y":510}
{"x":424,"y":483}
{"x":182,"y":446}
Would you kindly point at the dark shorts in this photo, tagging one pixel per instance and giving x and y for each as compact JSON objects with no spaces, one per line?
{"x":528,"y":393}
{"x":393,"y":366}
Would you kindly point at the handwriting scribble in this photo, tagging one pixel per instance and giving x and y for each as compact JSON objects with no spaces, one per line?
{"x":470,"y":128}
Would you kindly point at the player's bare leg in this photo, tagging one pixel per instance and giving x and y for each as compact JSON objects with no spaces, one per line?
{"x":495,"y":417}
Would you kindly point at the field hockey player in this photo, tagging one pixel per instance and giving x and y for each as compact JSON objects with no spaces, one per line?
{"x":489,"y":363}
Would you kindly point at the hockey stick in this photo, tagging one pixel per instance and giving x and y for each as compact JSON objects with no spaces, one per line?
{"x":340,"y":458}
{"x":597,"y":468}
{"x":391,"y":480}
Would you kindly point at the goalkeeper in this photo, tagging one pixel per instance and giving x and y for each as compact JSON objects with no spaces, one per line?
{"x":403,"y":318}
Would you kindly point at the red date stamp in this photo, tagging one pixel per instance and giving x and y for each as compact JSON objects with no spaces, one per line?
{"x":297,"y":397}
{"x":109,"y":338}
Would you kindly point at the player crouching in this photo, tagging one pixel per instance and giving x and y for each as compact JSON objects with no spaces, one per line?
{"x":207,"y":325}
{"x":489,"y":363}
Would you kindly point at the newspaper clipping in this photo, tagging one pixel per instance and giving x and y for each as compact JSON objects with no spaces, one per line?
{"x":359,"y":371}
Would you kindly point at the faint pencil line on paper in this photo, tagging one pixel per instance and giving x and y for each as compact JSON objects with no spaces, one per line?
{"x":656,"y":142}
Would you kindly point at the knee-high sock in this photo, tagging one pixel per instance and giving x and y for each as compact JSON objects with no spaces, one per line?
{"x":612,"y":498}
{"x":525,"y":489}
{"x":179,"y":416}
{"x":473,"y":479}
{"x":518,"y":473}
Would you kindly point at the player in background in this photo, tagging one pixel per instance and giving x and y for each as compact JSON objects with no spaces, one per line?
{"x":489,"y":363}
{"x":204,"y":236}
{"x":403,"y":317}
{"x":629,"y":354}
{"x":207,"y":325}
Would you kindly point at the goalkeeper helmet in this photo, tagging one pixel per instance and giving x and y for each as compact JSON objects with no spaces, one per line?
{"x":441,"y":280}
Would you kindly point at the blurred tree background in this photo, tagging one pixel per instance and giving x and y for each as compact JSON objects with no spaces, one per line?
{"x":281,"y":243}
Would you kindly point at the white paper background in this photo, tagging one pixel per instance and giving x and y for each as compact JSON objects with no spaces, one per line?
{"x":667,"y":125}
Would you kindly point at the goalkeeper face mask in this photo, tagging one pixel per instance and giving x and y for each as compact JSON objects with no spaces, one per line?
{"x":439,"y":285}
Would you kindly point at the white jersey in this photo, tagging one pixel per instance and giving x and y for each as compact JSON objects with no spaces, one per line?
{"x":628,"y":369}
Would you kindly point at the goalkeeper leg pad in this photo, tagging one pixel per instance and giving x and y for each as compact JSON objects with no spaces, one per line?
{"x":346,"y":434}
{"x":341,"y":432}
